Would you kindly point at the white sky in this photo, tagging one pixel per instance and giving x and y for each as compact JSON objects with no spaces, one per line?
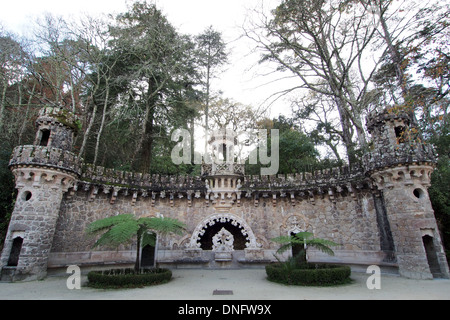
{"x":238,"y":82}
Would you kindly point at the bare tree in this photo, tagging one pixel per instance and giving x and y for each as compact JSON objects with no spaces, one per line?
{"x":324,"y":44}
{"x":96,"y":64}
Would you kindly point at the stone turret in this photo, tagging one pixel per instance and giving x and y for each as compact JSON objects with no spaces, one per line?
{"x":43,"y":171}
{"x":401,"y":167}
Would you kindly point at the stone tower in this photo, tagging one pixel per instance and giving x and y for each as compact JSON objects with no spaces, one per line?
{"x":43,"y":172}
{"x":401,"y":167}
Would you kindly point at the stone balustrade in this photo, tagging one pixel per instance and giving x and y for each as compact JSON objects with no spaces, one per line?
{"x":223,"y":169}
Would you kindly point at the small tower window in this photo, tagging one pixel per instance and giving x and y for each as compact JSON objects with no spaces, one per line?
{"x":45,"y":137}
{"x":419,"y":193}
{"x":26,"y":196}
{"x":400,"y":134}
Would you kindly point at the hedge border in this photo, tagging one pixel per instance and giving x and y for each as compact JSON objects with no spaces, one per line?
{"x":128,"y":278}
{"x":309,"y":275}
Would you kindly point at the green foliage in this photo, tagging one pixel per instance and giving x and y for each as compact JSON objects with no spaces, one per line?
{"x":297,"y":152}
{"x":309,"y":274}
{"x":7,"y":192}
{"x":128,"y":278}
{"x":297,"y":271}
{"x":440,"y":185}
{"x":304,"y":239}
{"x":124,"y":228}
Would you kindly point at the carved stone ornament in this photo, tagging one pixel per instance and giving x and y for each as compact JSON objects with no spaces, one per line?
{"x":223,"y":241}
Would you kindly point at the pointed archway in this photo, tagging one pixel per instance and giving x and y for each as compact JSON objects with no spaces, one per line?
{"x":234,"y":224}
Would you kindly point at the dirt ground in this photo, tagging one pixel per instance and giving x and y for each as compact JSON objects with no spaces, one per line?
{"x":249,"y":284}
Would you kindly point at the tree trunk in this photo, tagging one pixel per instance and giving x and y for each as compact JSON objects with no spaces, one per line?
{"x":346,"y":133}
{"x":192,"y":131}
{"x":208,"y":71}
{"x":26,"y":120}
{"x":3,"y":103}
{"x":102,"y":124}
{"x":137,"y":264}
{"x":143,"y":153}
{"x":146,"y":154}
{"x":88,"y":131}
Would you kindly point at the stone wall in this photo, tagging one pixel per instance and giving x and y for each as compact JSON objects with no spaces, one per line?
{"x":349,"y":220}
{"x":379,"y":213}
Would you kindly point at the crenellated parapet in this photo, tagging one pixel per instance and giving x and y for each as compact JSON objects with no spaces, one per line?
{"x":155,"y":182}
{"x":222,"y":189}
{"x":333,"y":182}
{"x":45,"y":157}
{"x":115,"y":183}
{"x":398,"y":155}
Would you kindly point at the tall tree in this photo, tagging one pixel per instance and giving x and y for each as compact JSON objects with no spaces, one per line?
{"x":153,"y":58}
{"x":95,"y":63}
{"x":211,"y":52}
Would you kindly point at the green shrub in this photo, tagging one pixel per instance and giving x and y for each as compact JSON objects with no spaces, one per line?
{"x":309,"y":274}
{"x":128,"y":278}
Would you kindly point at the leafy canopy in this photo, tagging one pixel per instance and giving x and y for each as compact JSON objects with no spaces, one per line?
{"x":304,"y":239}
{"x":123,"y":228}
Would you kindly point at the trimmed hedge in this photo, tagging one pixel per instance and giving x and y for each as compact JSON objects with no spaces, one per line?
{"x":309,"y":274}
{"x":128,"y":278}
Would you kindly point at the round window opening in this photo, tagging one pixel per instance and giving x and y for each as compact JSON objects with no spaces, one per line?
{"x":26,"y":195}
{"x":419,"y":193}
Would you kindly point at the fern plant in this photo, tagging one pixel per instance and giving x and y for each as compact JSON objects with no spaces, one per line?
{"x":124,"y":228}
{"x":304,"y":240}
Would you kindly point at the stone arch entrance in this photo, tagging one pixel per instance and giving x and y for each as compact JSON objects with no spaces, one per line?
{"x":208,"y":228}
{"x":240,"y":241}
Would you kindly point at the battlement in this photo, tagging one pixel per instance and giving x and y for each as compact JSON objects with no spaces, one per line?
{"x":399,"y":155}
{"x":340,"y":179}
{"x":40,"y":156}
{"x":379,"y":212}
{"x":132,"y":180}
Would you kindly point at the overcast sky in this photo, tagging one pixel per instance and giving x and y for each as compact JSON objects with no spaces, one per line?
{"x":190,"y":17}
